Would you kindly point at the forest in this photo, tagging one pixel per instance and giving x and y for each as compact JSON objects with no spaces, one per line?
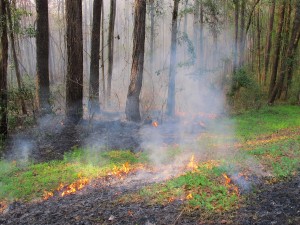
{"x":149,"y":112}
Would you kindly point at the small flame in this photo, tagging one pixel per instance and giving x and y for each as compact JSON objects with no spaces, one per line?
{"x":125,"y":169}
{"x":47,"y":195}
{"x":155,"y":124}
{"x":76,"y":186}
{"x":189,"y":196}
{"x":227,"y":179}
{"x":192,"y":164}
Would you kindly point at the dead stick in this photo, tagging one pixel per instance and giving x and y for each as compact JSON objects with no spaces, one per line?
{"x":178,"y":217}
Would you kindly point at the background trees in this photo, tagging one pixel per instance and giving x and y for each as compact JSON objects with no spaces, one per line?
{"x":248,"y":49}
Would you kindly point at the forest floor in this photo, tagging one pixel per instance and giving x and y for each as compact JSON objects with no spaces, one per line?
{"x":254,"y":179}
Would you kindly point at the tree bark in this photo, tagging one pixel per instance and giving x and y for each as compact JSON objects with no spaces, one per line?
{"x":242,"y":32}
{"x":258,"y":27}
{"x":173,"y":63}
{"x":42,"y":57}
{"x":276,"y":58}
{"x":287,"y":67}
{"x":269,"y":42}
{"x":236,"y":19}
{"x":74,"y":82}
{"x":152,"y":13}
{"x":132,"y":104}
{"x":94,"y":101}
{"x":111,"y":30}
{"x":15,"y":58}
{"x":3,"y":69}
{"x":196,"y":26}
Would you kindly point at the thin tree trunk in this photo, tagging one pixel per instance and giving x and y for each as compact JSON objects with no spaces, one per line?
{"x":15,"y":57}
{"x":42,"y":57}
{"x":173,"y":62}
{"x":269,"y":42}
{"x":111,"y":29}
{"x":136,"y":79}
{"x":196,"y":26}
{"x":258,"y":46}
{"x":276,"y":59}
{"x":102,"y":57}
{"x":201,"y":43}
{"x":236,"y":19}
{"x":74,"y":82}
{"x":3,"y":69}
{"x":242,"y":32}
{"x":95,"y":57}
{"x":152,"y":13}
{"x":287,"y":67}
{"x":185,"y":16}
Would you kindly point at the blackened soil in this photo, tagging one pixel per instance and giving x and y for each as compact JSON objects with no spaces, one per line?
{"x":271,"y":204}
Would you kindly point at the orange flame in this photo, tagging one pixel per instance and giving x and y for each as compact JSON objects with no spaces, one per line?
{"x":192,"y":164}
{"x":47,"y":195}
{"x":125,"y":169}
{"x":227,"y":179}
{"x":76,"y":186}
{"x":189,"y":196}
{"x":155,"y":124}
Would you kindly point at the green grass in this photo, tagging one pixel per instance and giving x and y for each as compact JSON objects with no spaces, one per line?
{"x":266,"y":121}
{"x":206,"y":186}
{"x":25,"y":183}
{"x":281,"y":158}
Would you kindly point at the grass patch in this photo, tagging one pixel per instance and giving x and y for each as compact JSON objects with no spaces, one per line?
{"x":204,"y":189}
{"x":26,"y":183}
{"x":281,"y":158}
{"x":266,"y":121}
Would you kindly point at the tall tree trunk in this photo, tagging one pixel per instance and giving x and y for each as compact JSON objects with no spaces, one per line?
{"x":173,"y":63}
{"x":42,"y":57}
{"x":152,"y":13}
{"x":15,"y":57}
{"x":185,"y":16}
{"x":258,"y":46}
{"x":94,"y":106}
{"x":281,"y":13}
{"x":287,"y":66}
{"x":102,"y":57}
{"x":136,"y":79}
{"x":242,"y":32}
{"x":269,"y":42}
{"x":111,"y":30}
{"x":201,"y":43}
{"x":236,"y":25}
{"x":3,"y":69}
{"x":74,"y":82}
{"x":196,"y":26}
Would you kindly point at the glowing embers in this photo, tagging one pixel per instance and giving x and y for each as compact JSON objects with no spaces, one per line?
{"x":121,"y":171}
{"x":192,"y":165}
{"x":155,"y":124}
